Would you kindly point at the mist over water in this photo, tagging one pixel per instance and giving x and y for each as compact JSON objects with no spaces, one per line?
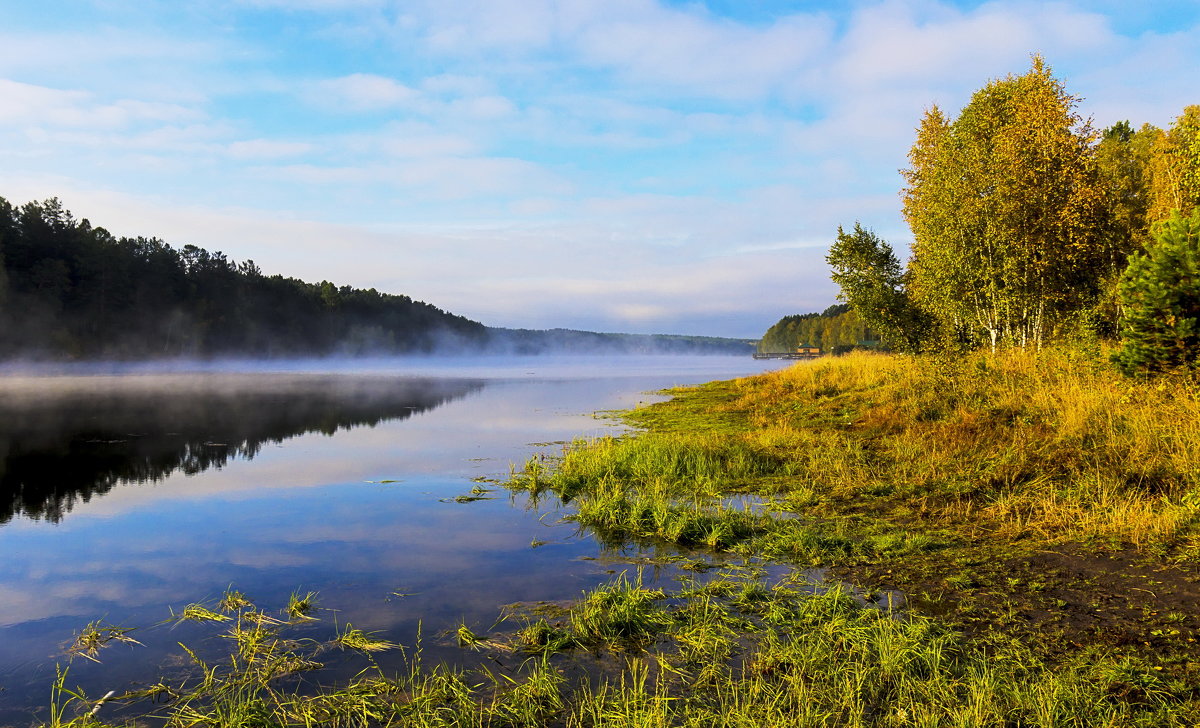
{"x":15,"y":375}
{"x":130,"y":489}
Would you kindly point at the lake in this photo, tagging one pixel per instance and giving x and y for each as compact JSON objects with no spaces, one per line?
{"x":129,"y":492}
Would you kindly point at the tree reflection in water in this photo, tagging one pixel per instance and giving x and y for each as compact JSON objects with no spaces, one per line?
{"x":64,"y":440}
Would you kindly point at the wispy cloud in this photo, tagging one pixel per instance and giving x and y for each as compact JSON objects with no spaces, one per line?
{"x":361,"y":91}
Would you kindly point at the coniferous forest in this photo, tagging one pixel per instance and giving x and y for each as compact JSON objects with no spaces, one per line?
{"x":71,"y":290}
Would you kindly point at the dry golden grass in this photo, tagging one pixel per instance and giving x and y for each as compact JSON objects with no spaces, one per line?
{"x":1052,"y":443}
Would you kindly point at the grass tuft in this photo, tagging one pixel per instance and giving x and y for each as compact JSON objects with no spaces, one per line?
{"x":97,"y":635}
{"x":355,"y":639}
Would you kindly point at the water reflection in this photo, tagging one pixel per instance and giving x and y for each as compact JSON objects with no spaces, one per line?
{"x":308,"y":511}
{"x":64,"y":440}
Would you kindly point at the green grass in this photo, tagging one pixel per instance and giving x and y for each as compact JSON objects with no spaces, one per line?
{"x":97,"y":635}
{"x":943,"y":471}
{"x":1053,"y":446}
{"x":730,"y":651}
{"x":355,"y":639}
{"x":670,"y":488}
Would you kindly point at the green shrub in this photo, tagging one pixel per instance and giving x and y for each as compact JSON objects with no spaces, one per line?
{"x":1160,"y":293}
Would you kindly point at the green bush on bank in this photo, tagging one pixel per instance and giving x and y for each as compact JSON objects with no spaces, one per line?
{"x":1160,"y":296}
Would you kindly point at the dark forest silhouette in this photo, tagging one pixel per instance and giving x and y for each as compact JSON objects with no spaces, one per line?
{"x":70,"y":290}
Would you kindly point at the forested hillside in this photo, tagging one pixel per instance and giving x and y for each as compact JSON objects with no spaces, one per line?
{"x":69,"y":289}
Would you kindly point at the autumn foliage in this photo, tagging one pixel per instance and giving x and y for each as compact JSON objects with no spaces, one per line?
{"x":1025,"y":219}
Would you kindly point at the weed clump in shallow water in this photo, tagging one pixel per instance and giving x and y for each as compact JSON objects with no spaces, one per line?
{"x":727,"y":651}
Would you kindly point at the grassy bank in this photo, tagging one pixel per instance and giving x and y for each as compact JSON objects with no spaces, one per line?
{"x":1041,"y":497}
{"x":1039,"y":513}
{"x":1053,"y":447}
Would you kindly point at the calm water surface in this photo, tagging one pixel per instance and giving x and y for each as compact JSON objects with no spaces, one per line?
{"x":124,"y":494}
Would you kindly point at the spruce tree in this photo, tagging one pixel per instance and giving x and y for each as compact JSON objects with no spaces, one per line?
{"x":1160,"y":294}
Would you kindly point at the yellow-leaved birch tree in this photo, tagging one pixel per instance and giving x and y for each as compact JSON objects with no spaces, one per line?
{"x":1175,"y":167}
{"x":1007,"y":211}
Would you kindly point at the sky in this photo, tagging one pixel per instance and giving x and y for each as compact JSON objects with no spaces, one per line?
{"x":643,"y":166}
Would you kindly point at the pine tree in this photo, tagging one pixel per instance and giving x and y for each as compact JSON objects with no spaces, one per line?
{"x":1160,"y":293}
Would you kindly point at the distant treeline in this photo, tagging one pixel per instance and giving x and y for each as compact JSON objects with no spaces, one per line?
{"x":71,"y":290}
{"x":526,"y":341}
{"x":837,"y":329}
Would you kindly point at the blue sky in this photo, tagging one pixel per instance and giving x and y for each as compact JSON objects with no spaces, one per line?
{"x":615,"y":165}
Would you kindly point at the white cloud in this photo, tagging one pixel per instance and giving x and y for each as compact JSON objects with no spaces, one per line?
{"x":420,"y":177}
{"x":267,"y":149}
{"x":87,"y":52}
{"x":328,"y":6}
{"x":642,"y":41}
{"x":450,"y":84}
{"x":901,"y":42}
{"x":25,"y":103}
{"x":360,"y":92}
{"x":414,"y":139}
{"x":482,"y":107}
{"x":699,"y":54}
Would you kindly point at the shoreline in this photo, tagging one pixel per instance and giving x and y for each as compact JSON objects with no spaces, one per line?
{"x":1031,"y":593}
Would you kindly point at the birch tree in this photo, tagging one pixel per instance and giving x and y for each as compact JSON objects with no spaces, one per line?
{"x":871,"y":280}
{"x":1124,"y":159}
{"x":1175,"y":167}
{"x":1007,"y":211}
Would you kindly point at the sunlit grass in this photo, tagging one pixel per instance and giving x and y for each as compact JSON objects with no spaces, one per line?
{"x":97,"y":635}
{"x":300,"y":606}
{"x":200,"y":613}
{"x":355,"y":639}
{"x":233,"y":600}
{"x":1055,"y":444}
{"x":726,"y":651}
{"x":1052,"y":443}
{"x":683,"y":503}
